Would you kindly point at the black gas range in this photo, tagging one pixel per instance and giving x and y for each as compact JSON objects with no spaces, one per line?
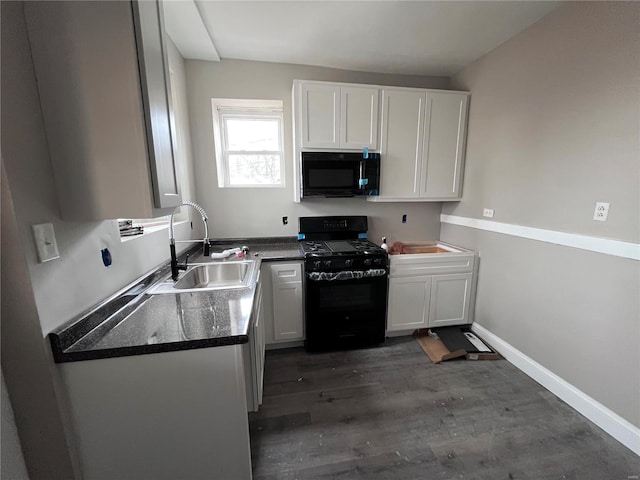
{"x":346,"y":283}
{"x":335,"y":255}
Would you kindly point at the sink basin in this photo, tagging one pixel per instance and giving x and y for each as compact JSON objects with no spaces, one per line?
{"x":210,"y":276}
{"x":214,"y":275}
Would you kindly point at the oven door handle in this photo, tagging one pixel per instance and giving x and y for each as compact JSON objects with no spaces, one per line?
{"x":346,"y":275}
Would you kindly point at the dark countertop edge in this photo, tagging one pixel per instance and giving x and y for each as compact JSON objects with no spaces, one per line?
{"x":256,"y":240}
{"x":278,"y":259}
{"x":62,"y":357}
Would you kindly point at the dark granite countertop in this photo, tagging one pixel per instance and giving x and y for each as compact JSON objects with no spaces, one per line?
{"x":267,"y":249}
{"x":134,"y":322}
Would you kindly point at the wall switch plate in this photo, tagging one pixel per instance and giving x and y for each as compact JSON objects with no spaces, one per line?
{"x":601,"y":212}
{"x":45,"y":242}
{"x":488,"y":212}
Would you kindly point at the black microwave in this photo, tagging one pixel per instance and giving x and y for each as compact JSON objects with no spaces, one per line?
{"x":336,"y":174}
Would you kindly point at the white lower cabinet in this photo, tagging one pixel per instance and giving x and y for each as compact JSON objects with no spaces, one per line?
{"x":409,"y":300}
{"x":283,"y":312}
{"x":449,"y":303}
{"x":164,"y":416}
{"x":254,"y":353}
{"x":430,"y":290}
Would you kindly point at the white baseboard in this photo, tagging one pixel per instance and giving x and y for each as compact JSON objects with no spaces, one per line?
{"x":612,"y":423}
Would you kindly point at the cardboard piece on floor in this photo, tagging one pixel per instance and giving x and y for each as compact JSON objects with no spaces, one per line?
{"x":438,"y":351}
{"x":434,"y":348}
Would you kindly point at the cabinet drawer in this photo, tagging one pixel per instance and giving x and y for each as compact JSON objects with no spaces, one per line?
{"x":418,"y":265}
{"x":286,"y":273}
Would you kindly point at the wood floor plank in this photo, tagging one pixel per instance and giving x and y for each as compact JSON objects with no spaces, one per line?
{"x":389,"y":413}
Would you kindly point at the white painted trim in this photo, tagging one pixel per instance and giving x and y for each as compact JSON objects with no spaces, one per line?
{"x":612,"y":423}
{"x":607,"y":246}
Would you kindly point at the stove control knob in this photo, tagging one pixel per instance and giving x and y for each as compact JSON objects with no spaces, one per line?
{"x":316,"y":264}
{"x":377,"y":261}
{"x":348,"y":263}
{"x":327,"y":263}
{"x":367,"y":261}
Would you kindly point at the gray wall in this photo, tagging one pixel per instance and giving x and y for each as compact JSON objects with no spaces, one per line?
{"x":13,"y":466}
{"x":238,"y":212}
{"x":553,"y":128}
{"x":77,"y":280}
{"x":38,"y":297}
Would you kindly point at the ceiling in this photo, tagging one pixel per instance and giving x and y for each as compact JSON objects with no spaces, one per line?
{"x":406,"y":37}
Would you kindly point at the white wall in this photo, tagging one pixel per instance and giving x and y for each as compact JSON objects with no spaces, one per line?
{"x":553,"y":128}
{"x":244,"y":212}
{"x":67,"y":286}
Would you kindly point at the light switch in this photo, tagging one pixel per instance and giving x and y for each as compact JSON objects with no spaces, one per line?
{"x":45,"y":242}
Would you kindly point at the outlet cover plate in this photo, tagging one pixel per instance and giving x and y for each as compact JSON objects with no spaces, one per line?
{"x":601,"y":212}
{"x":488,"y":212}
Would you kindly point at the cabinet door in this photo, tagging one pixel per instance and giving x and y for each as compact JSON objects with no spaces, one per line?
{"x":286,"y":284}
{"x":408,"y":303}
{"x":154,"y":70}
{"x":259,"y":346}
{"x":320,"y":115}
{"x":359,"y":117}
{"x":401,"y":142}
{"x":105,"y":110}
{"x":450,"y":298}
{"x":444,"y":144}
{"x":287,"y":311}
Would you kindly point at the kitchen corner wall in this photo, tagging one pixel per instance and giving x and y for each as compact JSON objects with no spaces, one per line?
{"x":245,"y":212}
{"x":553,"y":128}
{"x":65,"y":287}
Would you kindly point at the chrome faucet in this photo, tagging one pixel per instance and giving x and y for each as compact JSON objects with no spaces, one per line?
{"x":175,"y":267}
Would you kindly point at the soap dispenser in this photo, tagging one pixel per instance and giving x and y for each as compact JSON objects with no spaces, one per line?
{"x":384,"y":244}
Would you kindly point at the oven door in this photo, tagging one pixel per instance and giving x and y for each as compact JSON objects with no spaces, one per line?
{"x":345,"y":309}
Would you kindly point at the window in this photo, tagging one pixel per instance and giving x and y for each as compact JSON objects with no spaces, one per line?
{"x":248,"y":142}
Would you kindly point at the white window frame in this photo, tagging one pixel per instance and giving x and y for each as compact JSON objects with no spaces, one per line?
{"x":224,"y":108}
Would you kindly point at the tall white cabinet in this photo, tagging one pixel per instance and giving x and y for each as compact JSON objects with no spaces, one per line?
{"x":423,"y":136}
{"x":103,"y":80}
{"x":401,"y":142}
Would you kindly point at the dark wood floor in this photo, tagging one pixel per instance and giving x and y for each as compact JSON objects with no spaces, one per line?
{"x":389,"y":413}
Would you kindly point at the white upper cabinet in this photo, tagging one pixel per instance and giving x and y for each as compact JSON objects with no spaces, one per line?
{"x":444,"y":145}
{"x":102,"y":72}
{"x":334,"y":116}
{"x":422,"y":144}
{"x":401,"y":141}
{"x":359,"y":117}
{"x":320,"y":115}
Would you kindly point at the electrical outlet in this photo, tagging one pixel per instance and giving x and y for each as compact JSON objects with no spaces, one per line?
{"x":601,"y":212}
{"x":488,"y":212}
{"x":404,"y":218}
{"x":46,"y":244}
{"x":285,"y":220}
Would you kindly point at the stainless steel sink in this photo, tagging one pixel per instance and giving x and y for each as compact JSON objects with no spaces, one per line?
{"x":210,"y":276}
